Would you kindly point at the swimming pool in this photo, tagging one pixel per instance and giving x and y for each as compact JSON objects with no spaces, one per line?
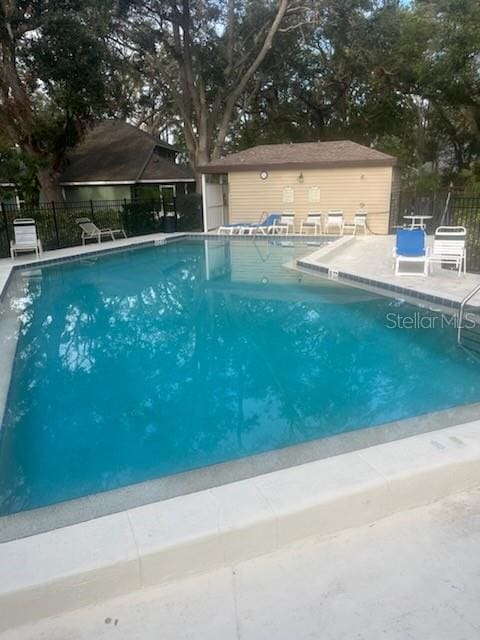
{"x":145,"y":363}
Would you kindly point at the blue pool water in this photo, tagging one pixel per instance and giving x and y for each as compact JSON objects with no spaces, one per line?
{"x":150,"y":362}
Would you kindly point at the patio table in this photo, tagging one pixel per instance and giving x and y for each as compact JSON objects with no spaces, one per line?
{"x":417,"y":217}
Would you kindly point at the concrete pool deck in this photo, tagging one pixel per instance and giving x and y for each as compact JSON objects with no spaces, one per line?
{"x":369,"y":259}
{"x":413,"y":575}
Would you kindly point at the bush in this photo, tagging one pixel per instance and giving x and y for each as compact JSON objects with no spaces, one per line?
{"x":141,"y":217}
{"x":189,"y":211}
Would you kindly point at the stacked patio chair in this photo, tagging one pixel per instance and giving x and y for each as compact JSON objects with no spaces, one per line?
{"x":335,"y":220}
{"x":312,"y":223}
{"x":359,"y":223}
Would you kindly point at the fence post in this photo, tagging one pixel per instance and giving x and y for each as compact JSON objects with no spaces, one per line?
{"x":175,"y":212}
{"x":162,"y":218}
{"x":5,"y":222}
{"x":91,"y":210}
{"x":56,"y":224}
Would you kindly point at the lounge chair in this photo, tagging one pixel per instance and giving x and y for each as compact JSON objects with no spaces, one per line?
{"x":250,"y":228}
{"x":26,"y":239}
{"x":286,"y":223}
{"x":449,"y":248}
{"x":335,"y":220}
{"x":410,"y":248}
{"x":359,"y":222}
{"x":313,"y":221}
{"x":267,"y":226}
{"x":90,"y":231}
{"x":230,"y":229}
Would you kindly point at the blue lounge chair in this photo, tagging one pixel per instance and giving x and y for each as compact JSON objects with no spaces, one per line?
{"x":250,"y":228}
{"x":266,"y":225}
{"x":411,"y":248}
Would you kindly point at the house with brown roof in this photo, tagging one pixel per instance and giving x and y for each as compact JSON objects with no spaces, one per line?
{"x":117,"y":161}
{"x":305,"y":177}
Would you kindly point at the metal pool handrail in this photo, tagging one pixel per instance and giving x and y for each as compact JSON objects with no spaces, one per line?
{"x":466,"y":299}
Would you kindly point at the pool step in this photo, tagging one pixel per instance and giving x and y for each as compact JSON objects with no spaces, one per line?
{"x":469,"y":333}
{"x":471,"y":339}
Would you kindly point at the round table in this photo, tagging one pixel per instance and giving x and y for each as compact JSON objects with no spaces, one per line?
{"x":420,"y":224}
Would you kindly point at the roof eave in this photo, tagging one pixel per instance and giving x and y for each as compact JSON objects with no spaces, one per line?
{"x":166,"y":145}
{"x":101,"y":183}
{"x":277,"y":166}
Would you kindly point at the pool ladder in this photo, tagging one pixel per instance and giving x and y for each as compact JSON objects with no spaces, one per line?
{"x":468,"y":337}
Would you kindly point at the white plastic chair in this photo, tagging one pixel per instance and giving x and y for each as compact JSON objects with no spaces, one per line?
{"x":312,"y":221}
{"x":334,"y":219}
{"x":26,"y":238}
{"x":449,"y":248}
{"x":359,"y":222}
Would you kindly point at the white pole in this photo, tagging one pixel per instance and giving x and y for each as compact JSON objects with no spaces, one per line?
{"x":204,"y":203}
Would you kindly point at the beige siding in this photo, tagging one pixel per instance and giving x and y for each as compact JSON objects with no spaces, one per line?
{"x":250,"y":196}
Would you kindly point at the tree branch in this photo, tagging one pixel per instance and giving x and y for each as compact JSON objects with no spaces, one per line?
{"x":240,"y":87}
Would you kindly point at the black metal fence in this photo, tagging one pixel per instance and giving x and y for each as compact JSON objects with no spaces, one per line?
{"x":57,"y":226}
{"x":465,"y":211}
{"x":434,"y":204}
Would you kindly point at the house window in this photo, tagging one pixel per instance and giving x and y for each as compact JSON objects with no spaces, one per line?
{"x":145,"y":192}
{"x":314,"y":194}
{"x":288,"y":195}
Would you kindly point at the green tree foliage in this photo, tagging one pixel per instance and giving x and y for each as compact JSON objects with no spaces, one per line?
{"x":55,"y":76}
{"x":201,"y":57}
{"x":221,"y":76}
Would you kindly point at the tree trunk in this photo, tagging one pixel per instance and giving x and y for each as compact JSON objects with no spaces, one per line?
{"x":471,"y":113}
{"x":201,"y":158}
{"x":50,"y":189}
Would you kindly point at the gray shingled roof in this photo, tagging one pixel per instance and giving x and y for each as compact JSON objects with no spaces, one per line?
{"x":114,"y":151}
{"x":341,"y":153}
{"x":158,"y":168}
